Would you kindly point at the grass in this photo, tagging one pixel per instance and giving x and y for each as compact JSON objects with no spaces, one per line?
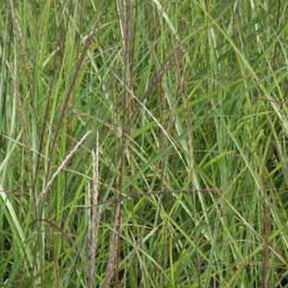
{"x":143,"y":144}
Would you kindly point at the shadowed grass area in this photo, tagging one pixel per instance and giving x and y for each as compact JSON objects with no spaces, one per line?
{"x":143,"y":143}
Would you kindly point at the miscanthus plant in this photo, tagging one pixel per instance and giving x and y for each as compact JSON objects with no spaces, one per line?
{"x":143,"y":143}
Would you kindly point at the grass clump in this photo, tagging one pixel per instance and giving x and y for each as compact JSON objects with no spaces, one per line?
{"x":143,"y":144}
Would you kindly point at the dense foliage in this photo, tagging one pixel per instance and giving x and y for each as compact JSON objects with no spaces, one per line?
{"x":143,"y":143}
